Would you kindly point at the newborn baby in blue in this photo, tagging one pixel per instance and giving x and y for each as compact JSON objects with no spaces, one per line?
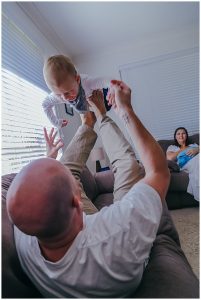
{"x":183,"y":158}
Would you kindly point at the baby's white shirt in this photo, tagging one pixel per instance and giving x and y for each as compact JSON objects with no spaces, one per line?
{"x":89,"y":84}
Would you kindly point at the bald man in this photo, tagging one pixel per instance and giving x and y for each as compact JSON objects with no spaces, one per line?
{"x":67,"y":253}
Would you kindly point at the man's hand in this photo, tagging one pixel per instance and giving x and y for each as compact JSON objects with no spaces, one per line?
{"x":88,"y":118}
{"x":120,"y":96}
{"x":96,"y":102}
{"x":52,"y":147}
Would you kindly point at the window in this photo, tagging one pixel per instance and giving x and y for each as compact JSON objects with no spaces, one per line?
{"x":23,"y":90}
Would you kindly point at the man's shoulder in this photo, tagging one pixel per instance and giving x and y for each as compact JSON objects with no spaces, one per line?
{"x":24,"y":242}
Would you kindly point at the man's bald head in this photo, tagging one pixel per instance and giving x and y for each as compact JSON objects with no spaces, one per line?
{"x":41,"y":198}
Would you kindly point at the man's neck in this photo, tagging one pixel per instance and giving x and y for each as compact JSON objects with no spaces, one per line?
{"x":54,"y":254}
{"x":55,"y":248}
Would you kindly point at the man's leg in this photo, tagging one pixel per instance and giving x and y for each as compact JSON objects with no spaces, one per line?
{"x":126,"y":169}
{"x":77,"y":153}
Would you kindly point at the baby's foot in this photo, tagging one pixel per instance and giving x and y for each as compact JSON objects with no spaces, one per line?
{"x":88,"y":118}
{"x":96,"y":102}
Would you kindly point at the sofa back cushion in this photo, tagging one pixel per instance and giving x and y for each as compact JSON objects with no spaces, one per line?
{"x":105,"y":181}
{"x":195,"y":138}
{"x":5,"y":183}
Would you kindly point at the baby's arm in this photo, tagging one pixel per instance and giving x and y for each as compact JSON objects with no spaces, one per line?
{"x":48,"y":105}
{"x":99,"y":83}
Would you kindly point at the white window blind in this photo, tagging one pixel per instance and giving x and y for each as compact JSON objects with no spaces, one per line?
{"x":22,"y":95}
{"x":165,"y":92}
{"x":20,"y":55}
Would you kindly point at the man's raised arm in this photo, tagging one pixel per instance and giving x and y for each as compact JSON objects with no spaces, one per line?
{"x":156,"y":171}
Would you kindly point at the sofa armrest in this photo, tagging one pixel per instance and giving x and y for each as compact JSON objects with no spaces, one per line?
{"x":168,"y":273}
{"x":15,"y":283}
{"x":178,"y":182}
{"x":173,"y":166}
{"x":105,"y":181}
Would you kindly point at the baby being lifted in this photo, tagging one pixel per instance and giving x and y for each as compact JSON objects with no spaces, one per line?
{"x":68,"y":86}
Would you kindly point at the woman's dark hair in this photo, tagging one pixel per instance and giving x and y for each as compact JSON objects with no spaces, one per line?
{"x":175,"y":141}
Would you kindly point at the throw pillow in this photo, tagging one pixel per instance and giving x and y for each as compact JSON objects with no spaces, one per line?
{"x":173,"y":166}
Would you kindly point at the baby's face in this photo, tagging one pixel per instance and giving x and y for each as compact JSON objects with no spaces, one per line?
{"x":68,"y":89}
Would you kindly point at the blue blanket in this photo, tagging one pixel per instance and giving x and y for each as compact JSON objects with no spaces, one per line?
{"x":183,"y":158}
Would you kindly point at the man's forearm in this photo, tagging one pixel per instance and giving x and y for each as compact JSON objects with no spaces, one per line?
{"x":149,"y":150}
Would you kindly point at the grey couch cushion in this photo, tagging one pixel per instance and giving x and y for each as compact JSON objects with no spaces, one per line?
{"x":103,"y":200}
{"x":105,"y":181}
{"x":165,"y":144}
{"x":195,"y":138}
{"x":5,"y":183}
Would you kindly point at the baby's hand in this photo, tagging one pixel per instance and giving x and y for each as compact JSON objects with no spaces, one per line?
{"x":110,"y":96}
{"x":64,"y":123}
{"x":192,"y":152}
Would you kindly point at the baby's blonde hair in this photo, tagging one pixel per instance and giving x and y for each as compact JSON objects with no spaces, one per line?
{"x":57,"y":64}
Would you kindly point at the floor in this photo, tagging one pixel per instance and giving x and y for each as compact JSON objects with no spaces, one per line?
{"x":186,"y":221}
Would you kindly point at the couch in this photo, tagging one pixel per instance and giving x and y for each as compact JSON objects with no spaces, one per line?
{"x":177,"y":196}
{"x":167,"y":275}
{"x":99,"y":187}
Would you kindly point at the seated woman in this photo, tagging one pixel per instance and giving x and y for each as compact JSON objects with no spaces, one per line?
{"x":185,"y":154}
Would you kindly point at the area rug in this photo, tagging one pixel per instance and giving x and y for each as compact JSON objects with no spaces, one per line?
{"x":186,"y":221}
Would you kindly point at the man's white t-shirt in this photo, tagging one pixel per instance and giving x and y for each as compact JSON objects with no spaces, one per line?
{"x":107,"y":258}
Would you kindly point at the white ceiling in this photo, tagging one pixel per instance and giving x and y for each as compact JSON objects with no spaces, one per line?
{"x":84,"y":27}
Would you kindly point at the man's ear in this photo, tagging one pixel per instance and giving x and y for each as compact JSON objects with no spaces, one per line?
{"x":76,"y":201}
